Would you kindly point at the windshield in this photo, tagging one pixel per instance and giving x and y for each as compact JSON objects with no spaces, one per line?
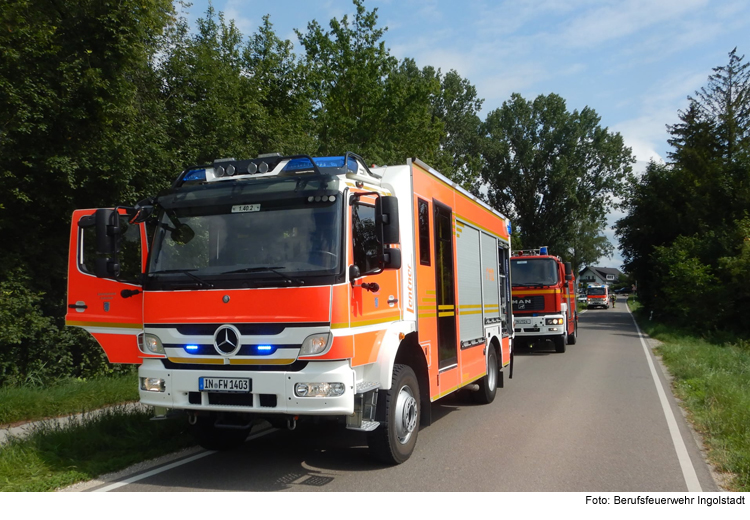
{"x":221,"y":235}
{"x":596,"y":291}
{"x":541,"y":271}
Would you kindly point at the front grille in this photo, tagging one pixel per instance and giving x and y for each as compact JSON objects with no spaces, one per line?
{"x":293,"y":367}
{"x":227,"y":399}
{"x":268,"y":400}
{"x":531,"y":329}
{"x":528,"y":303}
{"x":231,"y":399}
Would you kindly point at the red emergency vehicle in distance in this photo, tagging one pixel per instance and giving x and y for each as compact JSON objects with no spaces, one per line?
{"x":597,"y":296}
{"x":544,"y":305}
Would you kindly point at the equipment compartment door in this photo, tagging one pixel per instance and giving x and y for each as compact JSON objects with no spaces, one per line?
{"x":445,"y":285}
{"x":100,"y":305}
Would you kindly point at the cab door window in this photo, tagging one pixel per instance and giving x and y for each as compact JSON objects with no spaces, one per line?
{"x":364,"y":238}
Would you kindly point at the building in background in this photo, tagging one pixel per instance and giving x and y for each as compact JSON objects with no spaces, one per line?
{"x":599,"y":275}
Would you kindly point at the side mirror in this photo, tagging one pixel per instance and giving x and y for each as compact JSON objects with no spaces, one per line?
{"x":143,"y":210}
{"x":353,"y":273}
{"x":107,"y":224}
{"x":391,"y":258}
{"x":568,"y":271}
{"x":386,"y":218}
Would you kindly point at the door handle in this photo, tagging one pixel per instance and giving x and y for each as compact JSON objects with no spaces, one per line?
{"x":78,"y":305}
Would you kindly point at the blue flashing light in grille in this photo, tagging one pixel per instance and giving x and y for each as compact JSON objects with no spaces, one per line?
{"x":265,"y":348}
{"x":195,"y":175}
{"x":191,"y":348}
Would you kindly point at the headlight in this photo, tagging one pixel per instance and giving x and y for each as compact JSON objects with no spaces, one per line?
{"x":319,"y":389}
{"x":150,"y":344}
{"x":554,"y":321}
{"x":152,"y":384}
{"x":315,"y":345}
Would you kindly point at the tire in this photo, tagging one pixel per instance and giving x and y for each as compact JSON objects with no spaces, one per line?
{"x":573,"y":338}
{"x":398,"y":412}
{"x":217,"y":439}
{"x":488,"y":384}
{"x":559,"y":342}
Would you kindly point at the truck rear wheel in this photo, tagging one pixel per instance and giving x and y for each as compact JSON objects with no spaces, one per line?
{"x":398,"y":412}
{"x":219,"y":439}
{"x":488,"y":384}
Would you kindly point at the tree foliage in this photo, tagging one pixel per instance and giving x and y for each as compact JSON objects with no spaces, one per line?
{"x":685,"y":235}
{"x":553,"y":172}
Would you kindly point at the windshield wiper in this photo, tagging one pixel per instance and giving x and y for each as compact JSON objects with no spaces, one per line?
{"x":187,"y":272}
{"x":269,"y":269}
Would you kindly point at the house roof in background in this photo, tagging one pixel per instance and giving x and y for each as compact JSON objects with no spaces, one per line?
{"x":603,"y":271}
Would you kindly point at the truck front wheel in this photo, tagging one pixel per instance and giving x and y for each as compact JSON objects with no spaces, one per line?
{"x":398,"y":412}
{"x":559,"y":342}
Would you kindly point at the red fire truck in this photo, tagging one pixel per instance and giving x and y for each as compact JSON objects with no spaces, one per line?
{"x":544,"y":303}
{"x":280,"y":288}
{"x":597,"y":296}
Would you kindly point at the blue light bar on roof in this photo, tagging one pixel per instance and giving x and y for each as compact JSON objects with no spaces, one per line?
{"x":543,"y":250}
{"x":195,"y":175}
{"x":303,"y":163}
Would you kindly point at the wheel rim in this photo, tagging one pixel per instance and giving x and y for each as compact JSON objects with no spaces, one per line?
{"x":406,"y":414}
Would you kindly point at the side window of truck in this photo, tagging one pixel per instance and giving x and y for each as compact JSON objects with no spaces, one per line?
{"x":364,"y":238}
{"x":129,"y":256}
{"x":424,"y":231}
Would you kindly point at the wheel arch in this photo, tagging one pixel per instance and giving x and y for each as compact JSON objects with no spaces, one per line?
{"x":410,"y":353}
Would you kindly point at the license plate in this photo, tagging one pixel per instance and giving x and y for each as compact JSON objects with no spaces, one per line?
{"x":224,"y":384}
{"x":523,"y":321}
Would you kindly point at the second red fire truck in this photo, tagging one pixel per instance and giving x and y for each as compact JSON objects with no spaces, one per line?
{"x":544,"y":304}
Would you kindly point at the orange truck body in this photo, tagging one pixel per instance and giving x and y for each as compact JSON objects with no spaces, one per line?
{"x":544,"y":303}
{"x":441,"y":307}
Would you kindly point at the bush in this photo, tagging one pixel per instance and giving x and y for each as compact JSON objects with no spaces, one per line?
{"x":34,"y":349}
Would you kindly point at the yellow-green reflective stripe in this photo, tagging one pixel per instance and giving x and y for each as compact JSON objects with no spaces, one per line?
{"x":103,"y":324}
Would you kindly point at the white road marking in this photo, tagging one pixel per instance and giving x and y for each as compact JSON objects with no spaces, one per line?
{"x":153,"y":472}
{"x":688,"y":470}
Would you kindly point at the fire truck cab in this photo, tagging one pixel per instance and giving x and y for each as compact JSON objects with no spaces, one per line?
{"x":597,"y":296}
{"x":282,"y":288}
{"x":544,"y":303}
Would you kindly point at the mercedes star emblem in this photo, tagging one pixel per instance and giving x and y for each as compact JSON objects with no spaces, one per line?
{"x":227,"y":340}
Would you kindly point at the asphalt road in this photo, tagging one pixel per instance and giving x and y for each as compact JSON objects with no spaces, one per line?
{"x":590,"y":420}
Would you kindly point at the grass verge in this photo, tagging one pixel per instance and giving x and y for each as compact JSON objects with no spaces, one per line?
{"x":55,"y":456}
{"x":66,"y":397}
{"x":712,"y":378}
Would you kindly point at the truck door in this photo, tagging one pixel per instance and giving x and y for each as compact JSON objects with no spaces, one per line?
{"x":445,"y":285}
{"x":110,"y":309}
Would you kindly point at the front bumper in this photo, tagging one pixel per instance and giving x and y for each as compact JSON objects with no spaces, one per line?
{"x":271,"y":393}
{"x":598,"y":302}
{"x":536,"y":326}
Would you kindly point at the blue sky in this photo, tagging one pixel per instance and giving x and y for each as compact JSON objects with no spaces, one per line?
{"x":633,"y":61}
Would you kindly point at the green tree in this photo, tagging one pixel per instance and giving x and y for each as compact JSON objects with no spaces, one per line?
{"x":76,"y":127}
{"x":363,"y":99}
{"x":587,"y":244}
{"x":684,"y":235}
{"x":549,"y":169}
{"x":457,"y":106}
